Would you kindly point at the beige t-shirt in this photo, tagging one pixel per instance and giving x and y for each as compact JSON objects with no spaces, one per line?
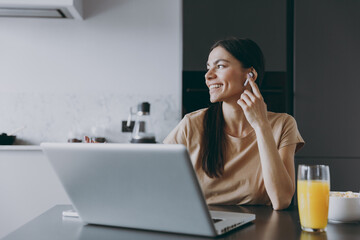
{"x":242,"y":181}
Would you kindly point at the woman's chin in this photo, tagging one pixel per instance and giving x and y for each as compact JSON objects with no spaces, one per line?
{"x":214,"y":99}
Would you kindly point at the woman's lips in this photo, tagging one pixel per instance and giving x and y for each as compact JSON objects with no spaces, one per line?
{"x":215,"y":87}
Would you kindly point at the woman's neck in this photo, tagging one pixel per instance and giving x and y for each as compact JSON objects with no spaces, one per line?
{"x":236,"y":123}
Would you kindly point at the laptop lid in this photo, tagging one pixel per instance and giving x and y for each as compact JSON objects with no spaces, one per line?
{"x":145,"y":186}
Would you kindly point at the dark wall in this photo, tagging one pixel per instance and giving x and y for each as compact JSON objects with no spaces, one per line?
{"x":327,"y":81}
{"x":327,"y":84}
{"x":206,"y":21}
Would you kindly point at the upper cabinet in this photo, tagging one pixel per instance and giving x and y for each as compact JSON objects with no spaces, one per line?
{"x":263,"y":21}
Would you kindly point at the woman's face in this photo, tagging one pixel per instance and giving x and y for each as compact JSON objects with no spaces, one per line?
{"x":225,"y":76}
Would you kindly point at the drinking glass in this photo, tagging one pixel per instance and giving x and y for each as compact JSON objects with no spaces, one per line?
{"x":313,"y":188}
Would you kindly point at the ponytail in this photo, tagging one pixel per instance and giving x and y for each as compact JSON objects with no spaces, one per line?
{"x":213,"y":148}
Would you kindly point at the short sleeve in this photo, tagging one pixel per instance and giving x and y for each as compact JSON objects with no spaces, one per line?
{"x":290,"y":134}
{"x":178,"y":134}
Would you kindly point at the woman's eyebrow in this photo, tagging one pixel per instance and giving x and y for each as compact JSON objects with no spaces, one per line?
{"x":217,"y":61}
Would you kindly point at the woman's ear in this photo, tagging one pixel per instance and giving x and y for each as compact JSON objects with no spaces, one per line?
{"x":255,"y":74}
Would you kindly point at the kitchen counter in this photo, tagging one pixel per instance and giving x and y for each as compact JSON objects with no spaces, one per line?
{"x":20,"y":148}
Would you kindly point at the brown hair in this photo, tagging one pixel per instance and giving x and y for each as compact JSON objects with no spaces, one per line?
{"x":214,"y":142}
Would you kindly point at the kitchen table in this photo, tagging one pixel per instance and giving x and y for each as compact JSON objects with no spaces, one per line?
{"x":268,"y":225}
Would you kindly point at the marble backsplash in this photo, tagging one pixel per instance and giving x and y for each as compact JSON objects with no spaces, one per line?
{"x":57,"y":117}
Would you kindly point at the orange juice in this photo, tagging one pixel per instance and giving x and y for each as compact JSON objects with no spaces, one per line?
{"x":313,"y":202}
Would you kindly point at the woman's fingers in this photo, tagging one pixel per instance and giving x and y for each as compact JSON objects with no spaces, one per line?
{"x":250,"y":95}
{"x":242,"y":104}
{"x":246,"y":99}
{"x":255,"y":89}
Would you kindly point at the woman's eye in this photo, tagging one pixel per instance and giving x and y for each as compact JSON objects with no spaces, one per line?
{"x":220,"y":66}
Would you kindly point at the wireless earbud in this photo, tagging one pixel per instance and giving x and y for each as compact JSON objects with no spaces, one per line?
{"x":250,"y":75}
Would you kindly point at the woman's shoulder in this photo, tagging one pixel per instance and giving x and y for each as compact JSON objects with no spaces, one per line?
{"x":273,"y":116}
{"x":187,"y":128}
{"x":192,"y":120}
{"x":280,"y":118}
{"x":285,"y":130}
{"x":197,"y":115}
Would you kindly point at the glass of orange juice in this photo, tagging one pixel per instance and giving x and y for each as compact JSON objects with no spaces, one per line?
{"x":313,"y":188}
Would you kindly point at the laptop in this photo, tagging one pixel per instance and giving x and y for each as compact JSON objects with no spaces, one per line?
{"x":142,"y":186}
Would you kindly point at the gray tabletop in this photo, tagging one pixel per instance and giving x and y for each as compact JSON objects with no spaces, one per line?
{"x":268,"y":225}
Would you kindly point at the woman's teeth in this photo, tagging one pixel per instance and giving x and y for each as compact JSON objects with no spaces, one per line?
{"x":215,"y":86}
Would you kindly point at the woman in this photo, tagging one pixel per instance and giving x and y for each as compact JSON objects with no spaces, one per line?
{"x":242,"y":153}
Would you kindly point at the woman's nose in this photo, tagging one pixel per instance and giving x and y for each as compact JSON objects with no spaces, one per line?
{"x":209,"y":74}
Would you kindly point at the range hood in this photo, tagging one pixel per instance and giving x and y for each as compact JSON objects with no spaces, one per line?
{"x":42,"y":8}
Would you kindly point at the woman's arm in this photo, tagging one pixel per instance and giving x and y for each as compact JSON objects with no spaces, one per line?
{"x":277,"y":165}
{"x":277,"y":168}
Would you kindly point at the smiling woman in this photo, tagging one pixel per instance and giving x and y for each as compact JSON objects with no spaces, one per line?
{"x":228,"y":66}
{"x":242,"y":153}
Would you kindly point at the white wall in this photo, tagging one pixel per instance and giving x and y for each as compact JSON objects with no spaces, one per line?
{"x":58,"y":76}
{"x":62,"y":75}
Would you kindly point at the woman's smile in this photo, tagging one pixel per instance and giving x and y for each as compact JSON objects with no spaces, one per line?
{"x":215,"y":88}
